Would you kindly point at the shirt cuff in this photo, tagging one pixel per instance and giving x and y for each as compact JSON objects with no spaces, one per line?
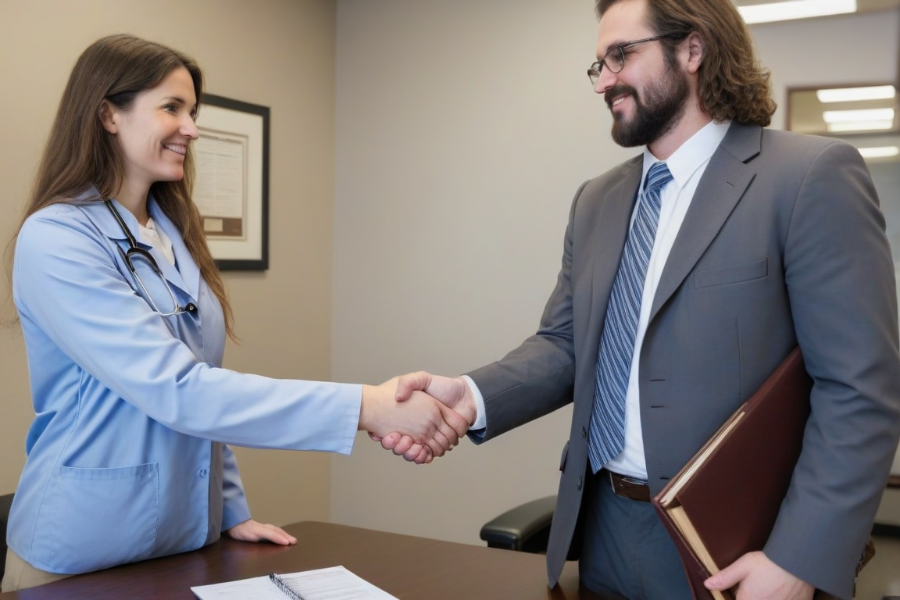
{"x":480,"y":417}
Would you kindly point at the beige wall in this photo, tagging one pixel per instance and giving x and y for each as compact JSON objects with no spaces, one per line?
{"x":278,"y":53}
{"x":461,"y":138}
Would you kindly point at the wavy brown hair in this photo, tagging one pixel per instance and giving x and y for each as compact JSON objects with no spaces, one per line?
{"x":81,"y":154}
{"x":732,"y":84}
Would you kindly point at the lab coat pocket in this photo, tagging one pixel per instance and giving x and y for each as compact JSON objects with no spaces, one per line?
{"x":104,"y":517}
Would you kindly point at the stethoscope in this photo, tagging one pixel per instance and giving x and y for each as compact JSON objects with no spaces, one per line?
{"x":136,"y":252}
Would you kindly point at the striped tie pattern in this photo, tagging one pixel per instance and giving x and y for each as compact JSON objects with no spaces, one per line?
{"x":607,"y":439}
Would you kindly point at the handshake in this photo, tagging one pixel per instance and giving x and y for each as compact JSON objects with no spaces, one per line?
{"x":419,"y":415}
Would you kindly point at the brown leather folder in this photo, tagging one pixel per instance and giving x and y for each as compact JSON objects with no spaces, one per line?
{"x":724,"y":502}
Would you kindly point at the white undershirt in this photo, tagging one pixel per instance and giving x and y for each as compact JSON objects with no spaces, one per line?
{"x":157,"y":238}
{"x":687,"y":165}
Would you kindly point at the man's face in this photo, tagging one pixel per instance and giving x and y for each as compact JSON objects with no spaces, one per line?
{"x":649,"y":95}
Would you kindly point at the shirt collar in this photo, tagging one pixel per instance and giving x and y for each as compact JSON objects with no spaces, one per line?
{"x":106,"y":222}
{"x":691,"y":155}
{"x":93,"y":203}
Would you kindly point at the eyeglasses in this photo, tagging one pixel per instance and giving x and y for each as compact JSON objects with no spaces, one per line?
{"x":615,"y":57}
{"x":138,"y":258}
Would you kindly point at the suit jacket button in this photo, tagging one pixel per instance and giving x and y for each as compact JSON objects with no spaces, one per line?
{"x":583,"y":433}
{"x":580,"y":483}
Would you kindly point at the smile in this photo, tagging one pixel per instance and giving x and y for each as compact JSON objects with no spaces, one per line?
{"x":177,"y":148}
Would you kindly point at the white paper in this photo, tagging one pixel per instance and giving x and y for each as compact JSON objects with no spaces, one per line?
{"x":257,"y":588}
{"x":221,"y":166}
{"x":334,"y":583}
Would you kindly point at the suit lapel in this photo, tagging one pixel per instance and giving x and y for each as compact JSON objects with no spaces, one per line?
{"x":724,"y":182}
{"x":608,"y":242}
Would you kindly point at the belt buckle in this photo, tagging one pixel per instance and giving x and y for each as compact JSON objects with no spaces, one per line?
{"x":612,"y":483}
{"x":625,"y":479}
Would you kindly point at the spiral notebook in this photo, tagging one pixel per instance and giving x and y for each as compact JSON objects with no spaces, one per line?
{"x":333,"y":583}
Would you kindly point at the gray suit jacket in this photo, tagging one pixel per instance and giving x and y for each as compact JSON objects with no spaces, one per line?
{"x":783,"y":244}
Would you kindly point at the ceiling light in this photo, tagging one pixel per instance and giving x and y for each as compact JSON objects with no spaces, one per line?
{"x":880,"y":152}
{"x":797,"y":9}
{"x":860,"y":126}
{"x":855,"y":116}
{"x":854,"y":94}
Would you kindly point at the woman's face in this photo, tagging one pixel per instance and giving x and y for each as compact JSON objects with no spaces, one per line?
{"x":154,"y":132}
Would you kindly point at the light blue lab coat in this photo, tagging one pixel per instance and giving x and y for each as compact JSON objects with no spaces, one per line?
{"x":120,"y":463}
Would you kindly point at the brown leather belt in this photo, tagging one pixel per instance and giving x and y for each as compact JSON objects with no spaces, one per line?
{"x":629,"y":487}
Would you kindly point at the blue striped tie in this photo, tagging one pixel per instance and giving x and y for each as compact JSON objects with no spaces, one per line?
{"x":617,"y":342}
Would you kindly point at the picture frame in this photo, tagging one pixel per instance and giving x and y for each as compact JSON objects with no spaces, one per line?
{"x":231,"y":186}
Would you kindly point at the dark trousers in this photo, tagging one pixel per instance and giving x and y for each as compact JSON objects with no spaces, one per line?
{"x":626,"y":550}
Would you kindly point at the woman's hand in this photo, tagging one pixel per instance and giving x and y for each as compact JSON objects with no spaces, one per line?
{"x":251,"y":531}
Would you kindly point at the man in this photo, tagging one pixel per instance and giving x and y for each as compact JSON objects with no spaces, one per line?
{"x":688,"y":274}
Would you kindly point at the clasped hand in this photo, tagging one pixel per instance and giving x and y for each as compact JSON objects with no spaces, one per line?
{"x":404,"y":416}
{"x":422,"y":417}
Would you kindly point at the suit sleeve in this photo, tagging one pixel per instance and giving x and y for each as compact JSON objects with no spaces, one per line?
{"x":537,"y":377}
{"x":840,"y":277}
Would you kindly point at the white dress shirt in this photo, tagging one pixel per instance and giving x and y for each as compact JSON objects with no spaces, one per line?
{"x":687,"y":165}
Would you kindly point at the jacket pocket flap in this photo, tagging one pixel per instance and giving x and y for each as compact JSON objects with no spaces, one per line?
{"x":732,"y":274}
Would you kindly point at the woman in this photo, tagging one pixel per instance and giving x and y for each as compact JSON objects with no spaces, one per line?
{"x":124,"y":317}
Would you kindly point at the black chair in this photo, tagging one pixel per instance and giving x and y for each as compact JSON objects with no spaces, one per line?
{"x":5,"y":504}
{"x":525,"y":528}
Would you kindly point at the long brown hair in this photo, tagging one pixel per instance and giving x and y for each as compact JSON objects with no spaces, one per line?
{"x":732,"y":84}
{"x":81,"y":154}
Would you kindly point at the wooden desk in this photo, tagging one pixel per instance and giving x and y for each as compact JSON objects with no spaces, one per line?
{"x":407,"y":567}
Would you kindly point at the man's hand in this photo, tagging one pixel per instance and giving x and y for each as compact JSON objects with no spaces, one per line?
{"x":758,"y":578}
{"x":251,"y":531}
{"x":432,"y":426}
{"x":453,"y":392}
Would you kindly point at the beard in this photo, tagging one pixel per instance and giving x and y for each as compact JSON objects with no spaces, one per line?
{"x":662,"y":106}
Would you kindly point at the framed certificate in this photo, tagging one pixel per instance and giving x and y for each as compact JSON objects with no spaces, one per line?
{"x":231,"y":188}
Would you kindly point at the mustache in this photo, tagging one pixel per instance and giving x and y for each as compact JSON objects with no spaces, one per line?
{"x":618,"y":90}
